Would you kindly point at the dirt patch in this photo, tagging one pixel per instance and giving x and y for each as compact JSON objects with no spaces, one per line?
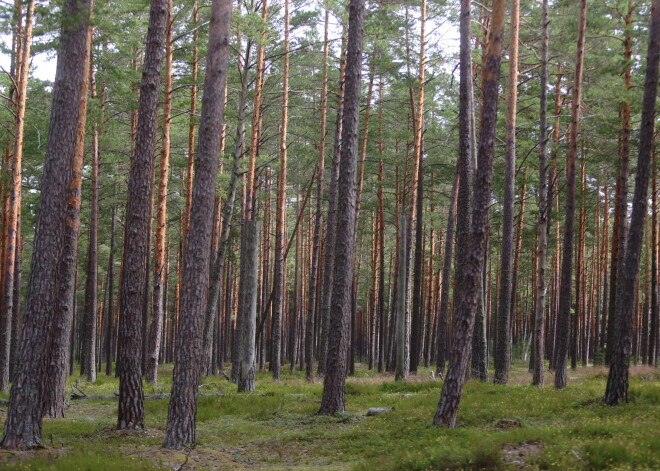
{"x":518,"y":455}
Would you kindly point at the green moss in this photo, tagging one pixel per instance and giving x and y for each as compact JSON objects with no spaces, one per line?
{"x":277,"y":427}
{"x":83,"y":461}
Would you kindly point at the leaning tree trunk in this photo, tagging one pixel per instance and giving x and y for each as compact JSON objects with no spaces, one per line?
{"x":503,"y":350}
{"x":134,"y":273}
{"x":24,"y":415}
{"x":188,"y":355}
{"x":339,"y":322}
{"x":563,"y":316}
{"x":617,"y":380}
{"x":472,"y":282}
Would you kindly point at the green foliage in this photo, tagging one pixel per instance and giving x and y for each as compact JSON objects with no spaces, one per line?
{"x":80,"y":460}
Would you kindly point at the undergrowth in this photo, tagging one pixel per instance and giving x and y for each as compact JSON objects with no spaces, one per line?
{"x":276,"y":427}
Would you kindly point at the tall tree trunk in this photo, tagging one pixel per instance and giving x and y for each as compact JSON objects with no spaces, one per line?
{"x":192,"y":122}
{"x":442,"y":327}
{"x":24,"y":416}
{"x":12,"y":218}
{"x":466,"y":153}
{"x":88,"y":360}
{"x":318,"y":216}
{"x":110,"y":322}
{"x":503,"y":355}
{"x":617,"y":381}
{"x":563,"y":317}
{"x":158,"y":311}
{"x":621,"y":206}
{"x":401,"y":372}
{"x":279,"y":281}
{"x":250,"y":267}
{"x":134,"y":273}
{"x":183,"y":403}
{"x":653,"y":322}
{"x":338,"y":334}
{"x":542,"y":226}
{"x":472,"y":282}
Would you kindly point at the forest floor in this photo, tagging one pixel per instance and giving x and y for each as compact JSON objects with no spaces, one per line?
{"x":276,"y":428}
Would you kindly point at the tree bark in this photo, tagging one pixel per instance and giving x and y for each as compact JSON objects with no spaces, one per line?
{"x":134,"y":274}
{"x":617,"y":380}
{"x":318,"y":216}
{"x":183,"y":404}
{"x":563,"y":317}
{"x":542,"y":226}
{"x":250,"y":263}
{"x":279,"y":281}
{"x":333,"y":397}
{"x":12,"y":217}
{"x":472,"y":282}
{"x":24,"y":416}
{"x":503,"y":355}
{"x":156,"y":324}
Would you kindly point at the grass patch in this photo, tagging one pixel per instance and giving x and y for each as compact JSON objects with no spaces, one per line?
{"x":277,"y":428}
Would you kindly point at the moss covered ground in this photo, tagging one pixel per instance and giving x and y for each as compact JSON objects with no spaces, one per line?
{"x":276,"y":428}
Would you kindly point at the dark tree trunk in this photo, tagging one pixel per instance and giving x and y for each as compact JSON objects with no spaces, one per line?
{"x":617,"y":381}
{"x":503,"y":350}
{"x":331,"y":223}
{"x":441,"y":325}
{"x":88,"y":360}
{"x":24,"y":415}
{"x":188,"y":355}
{"x":250,"y":269}
{"x":110,"y":323}
{"x":564,"y":314}
{"x":155,"y":327}
{"x":339,"y":328}
{"x":542,"y":227}
{"x":134,"y":275}
{"x":472,"y":282}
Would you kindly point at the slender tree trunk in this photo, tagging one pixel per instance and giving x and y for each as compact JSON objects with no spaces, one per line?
{"x":250,"y":261}
{"x":88,"y":360}
{"x":503,"y":355}
{"x":472,"y":282}
{"x":12,"y":217}
{"x":134,"y":275}
{"x":402,"y":288}
{"x":542,"y":226}
{"x":279,"y":281}
{"x":442,"y":327}
{"x":183,"y":403}
{"x":110,"y":322}
{"x":338,"y":334}
{"x":563,"y":318}
{"x":156,"y":324}
{"x":328,"y":257}
{"x":621,"y":206}
{"x":318,"y":217}
{"x":617,"y":381}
